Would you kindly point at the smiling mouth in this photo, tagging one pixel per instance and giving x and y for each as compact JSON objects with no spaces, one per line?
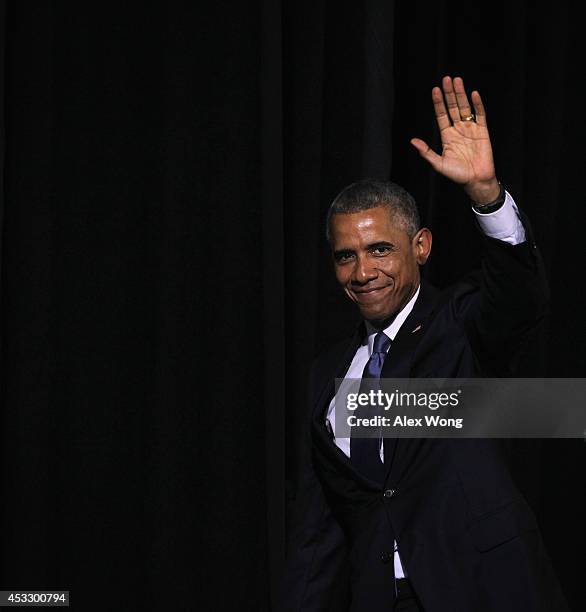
{"x":369,"y":292}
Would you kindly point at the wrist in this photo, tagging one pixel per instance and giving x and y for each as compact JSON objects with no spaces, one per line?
{"x":492,"y":206}
{"x":483,"y":193}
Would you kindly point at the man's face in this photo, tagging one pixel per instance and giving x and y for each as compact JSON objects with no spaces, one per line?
{"x":375,"y":261}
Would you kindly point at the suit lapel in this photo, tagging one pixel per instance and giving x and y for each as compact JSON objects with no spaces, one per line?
{"x":322,"y":436}
{"x":338,"y":369}
{"x":399,"y":360}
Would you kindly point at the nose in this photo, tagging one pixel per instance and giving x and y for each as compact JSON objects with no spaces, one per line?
{"x":363,"y":271}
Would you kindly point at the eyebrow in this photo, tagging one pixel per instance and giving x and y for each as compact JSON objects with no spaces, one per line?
{"x":369,"y":247}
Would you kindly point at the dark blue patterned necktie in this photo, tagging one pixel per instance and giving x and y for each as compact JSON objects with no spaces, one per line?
{"x":365,"y":452}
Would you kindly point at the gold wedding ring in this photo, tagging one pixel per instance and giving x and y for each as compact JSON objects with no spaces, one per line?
{"x":469,"y":117}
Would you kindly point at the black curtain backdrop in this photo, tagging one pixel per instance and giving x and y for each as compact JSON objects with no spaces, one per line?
{"x":165,"y":281}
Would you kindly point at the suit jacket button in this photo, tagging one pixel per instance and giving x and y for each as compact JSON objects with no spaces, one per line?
{"x":389,"y":493}
{"x":386,"y":557}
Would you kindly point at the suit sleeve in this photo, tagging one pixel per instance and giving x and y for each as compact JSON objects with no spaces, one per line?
{"x":512,"y":300}
{"x":316,"y":545}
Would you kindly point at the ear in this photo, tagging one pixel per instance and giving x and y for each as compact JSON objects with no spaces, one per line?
{"x":421,"y":245}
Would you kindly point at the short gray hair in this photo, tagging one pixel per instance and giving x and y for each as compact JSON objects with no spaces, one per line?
{"x":369,"y":193}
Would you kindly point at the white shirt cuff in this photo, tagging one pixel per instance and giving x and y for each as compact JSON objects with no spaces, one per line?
{"x":503,"y":224}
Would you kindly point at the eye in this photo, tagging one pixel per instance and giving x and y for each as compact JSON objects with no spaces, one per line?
{"x":381,"y":251}
{"x":343,"y":256}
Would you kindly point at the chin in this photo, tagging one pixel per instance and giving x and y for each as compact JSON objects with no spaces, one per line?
{"x":374,"y":317}
{"x":377,"y":315}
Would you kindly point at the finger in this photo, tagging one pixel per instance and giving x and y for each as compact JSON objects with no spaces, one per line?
{"x":443,"y":121}
{"x":479,"y":109}
{"x":451,"y":101}
{"x":427,"y":153}
{"x":462,"y":98}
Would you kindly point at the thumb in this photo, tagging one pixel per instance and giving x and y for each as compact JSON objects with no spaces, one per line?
{"x":427,"y":153}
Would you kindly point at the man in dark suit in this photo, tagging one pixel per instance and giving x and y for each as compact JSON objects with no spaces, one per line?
{"x":423,"y":524}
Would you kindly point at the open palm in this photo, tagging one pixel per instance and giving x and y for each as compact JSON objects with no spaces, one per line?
{"x":466,"y":155}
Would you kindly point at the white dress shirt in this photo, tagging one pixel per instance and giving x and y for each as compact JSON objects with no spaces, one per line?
{"x":503,"y":224}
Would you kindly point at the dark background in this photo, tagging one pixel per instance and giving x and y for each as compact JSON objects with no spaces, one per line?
{"x":165,"y":282}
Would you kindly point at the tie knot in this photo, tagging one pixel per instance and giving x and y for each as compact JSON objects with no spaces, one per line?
{"x":381,"y":343}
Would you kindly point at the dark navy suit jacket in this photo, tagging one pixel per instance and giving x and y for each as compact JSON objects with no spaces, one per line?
{"x":468,"y":540}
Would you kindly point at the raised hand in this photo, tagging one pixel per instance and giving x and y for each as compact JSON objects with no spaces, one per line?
{"x":466,"y":155}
